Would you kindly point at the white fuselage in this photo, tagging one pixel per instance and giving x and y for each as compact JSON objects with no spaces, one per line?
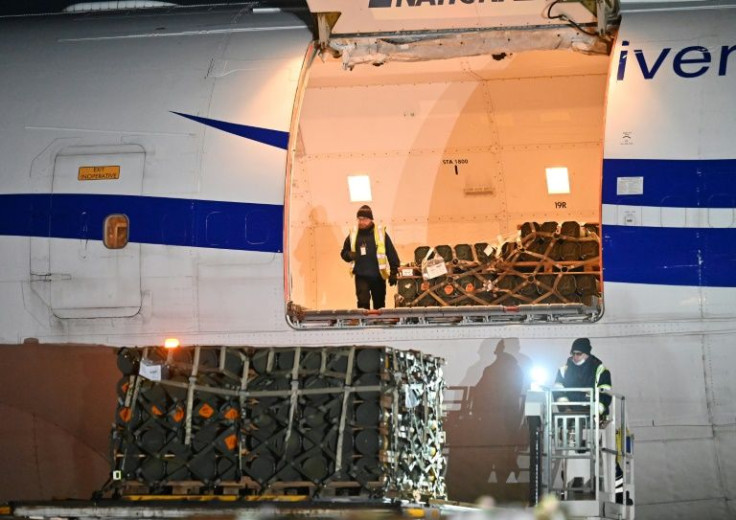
{"x":233,"y":145}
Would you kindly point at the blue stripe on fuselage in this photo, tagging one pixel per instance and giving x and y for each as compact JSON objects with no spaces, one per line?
{"x":275,"y":138}
{"x":673,"y":184}
{"x":696,"y":256}
{"x":669,"y":256}
{"x":153,"y":220}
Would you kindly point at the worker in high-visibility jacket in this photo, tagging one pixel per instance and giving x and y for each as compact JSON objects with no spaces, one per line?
{"x":584,"y":370}
{"x":373,"y":260}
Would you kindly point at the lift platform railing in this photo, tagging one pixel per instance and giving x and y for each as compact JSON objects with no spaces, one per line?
{"x":581,"y":451}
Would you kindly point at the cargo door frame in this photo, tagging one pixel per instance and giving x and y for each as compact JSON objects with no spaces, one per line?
{"x":357,"y":47}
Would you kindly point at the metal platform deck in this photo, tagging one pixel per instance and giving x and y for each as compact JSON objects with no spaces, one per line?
{"x":228,"y":506}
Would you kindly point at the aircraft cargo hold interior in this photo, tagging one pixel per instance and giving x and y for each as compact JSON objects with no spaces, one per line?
{"x":459,"y":154}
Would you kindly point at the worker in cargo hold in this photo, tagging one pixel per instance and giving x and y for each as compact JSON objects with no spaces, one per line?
{"x":373,"y":260}
{"x":584,"y":370}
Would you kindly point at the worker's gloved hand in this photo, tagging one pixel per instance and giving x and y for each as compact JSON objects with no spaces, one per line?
{"x":392,"y":277}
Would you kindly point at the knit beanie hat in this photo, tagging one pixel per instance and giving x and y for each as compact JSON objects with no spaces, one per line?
{"x":365,"y":211}
{"x":581,"y":345}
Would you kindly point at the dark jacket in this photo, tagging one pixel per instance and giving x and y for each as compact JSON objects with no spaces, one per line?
{"x":367,"y":265}
{"x":590,"y":374}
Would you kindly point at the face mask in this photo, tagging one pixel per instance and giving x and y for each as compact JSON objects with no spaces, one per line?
{"x":580,"y":361}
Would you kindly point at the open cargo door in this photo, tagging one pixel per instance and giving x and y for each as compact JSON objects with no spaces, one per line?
{"x":460,"y":133}
{"x":377,"y":31}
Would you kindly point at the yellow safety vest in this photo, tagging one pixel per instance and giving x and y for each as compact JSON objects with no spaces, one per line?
{"x":378,"y":234}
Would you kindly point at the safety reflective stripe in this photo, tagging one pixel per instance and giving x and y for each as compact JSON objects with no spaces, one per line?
{"x":598,"y":372}
{"x":383,"y":267}
{"x":378,"y":235}
{"x":353,"y":240}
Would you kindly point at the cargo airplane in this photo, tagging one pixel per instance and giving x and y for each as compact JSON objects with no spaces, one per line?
{"x":185,"y":173}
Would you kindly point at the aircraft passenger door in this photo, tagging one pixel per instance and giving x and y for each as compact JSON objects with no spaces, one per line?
{"x":94,"y":268}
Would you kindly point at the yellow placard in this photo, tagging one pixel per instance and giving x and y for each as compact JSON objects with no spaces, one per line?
{"x":98,"y":173}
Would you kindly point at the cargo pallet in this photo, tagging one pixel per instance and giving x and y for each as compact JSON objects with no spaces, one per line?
{"x":246,"y":488}
{"x":548,"y":263}
{"x":356,"y":421}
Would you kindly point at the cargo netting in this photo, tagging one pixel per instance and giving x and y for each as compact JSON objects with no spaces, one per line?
{"x":546,"y":263}
{"x":337,"y":421}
